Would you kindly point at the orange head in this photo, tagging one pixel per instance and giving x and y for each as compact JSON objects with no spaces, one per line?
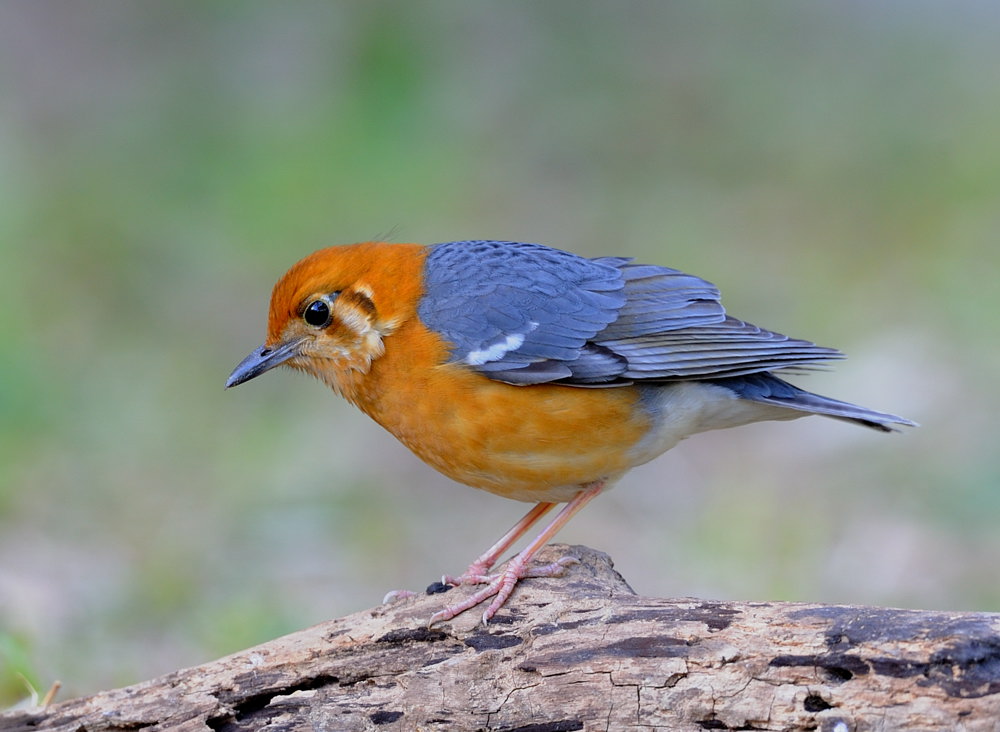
{"x":331,"y":311}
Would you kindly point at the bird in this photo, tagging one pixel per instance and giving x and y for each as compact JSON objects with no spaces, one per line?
{"x":531,"y":372}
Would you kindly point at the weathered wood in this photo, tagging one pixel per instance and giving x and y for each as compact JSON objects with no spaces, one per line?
{"x":581,"y":652}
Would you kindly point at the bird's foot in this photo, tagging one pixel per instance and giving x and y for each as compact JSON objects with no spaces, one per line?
{"x":476,"y":574}
{"x":499,"y":586}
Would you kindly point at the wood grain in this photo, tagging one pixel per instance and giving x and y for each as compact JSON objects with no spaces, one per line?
{"x":581,"y":652}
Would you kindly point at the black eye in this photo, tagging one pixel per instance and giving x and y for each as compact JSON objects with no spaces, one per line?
{"x":317,"y":314}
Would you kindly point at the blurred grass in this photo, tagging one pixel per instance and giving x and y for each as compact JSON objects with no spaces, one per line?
{"x":835,"y":169}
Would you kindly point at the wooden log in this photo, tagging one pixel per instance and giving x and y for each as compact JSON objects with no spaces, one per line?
{"x":580,"y":652}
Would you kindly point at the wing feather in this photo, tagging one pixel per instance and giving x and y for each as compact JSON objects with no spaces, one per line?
{"x":529,"y":314}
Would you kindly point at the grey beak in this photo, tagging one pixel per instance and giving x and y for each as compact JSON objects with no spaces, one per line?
{"x":260,"y":360}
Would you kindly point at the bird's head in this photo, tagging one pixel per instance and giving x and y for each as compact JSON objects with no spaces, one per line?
{"x":331,"y":312}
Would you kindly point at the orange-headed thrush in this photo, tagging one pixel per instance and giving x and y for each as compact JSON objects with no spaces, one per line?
{"x":531,"y":372}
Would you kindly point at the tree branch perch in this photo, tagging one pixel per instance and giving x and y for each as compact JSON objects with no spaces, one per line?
{"x":580,"y":652}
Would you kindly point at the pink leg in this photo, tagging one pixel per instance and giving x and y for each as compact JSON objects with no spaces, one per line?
{"x":501,"y":586}
{"x":476,"y":574}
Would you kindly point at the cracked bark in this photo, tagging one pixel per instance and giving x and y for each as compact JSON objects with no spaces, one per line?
{"x":581,"y":652}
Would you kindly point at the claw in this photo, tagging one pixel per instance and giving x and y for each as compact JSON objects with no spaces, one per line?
{"x":396,"y":595}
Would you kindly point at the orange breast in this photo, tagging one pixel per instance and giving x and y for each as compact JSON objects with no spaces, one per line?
{"x":531,"y":443}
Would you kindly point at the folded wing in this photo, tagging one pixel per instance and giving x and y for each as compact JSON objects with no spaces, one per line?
{"x":528,"y":314}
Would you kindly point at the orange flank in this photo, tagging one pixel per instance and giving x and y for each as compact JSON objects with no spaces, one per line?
{"x":533,"y":443}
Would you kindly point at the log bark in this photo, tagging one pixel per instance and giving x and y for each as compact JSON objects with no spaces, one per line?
{"x":580,"y":652}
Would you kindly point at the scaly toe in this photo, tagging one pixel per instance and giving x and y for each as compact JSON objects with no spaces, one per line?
{"x":505,"y":587}
{"x":396,"y":595}
{"x":468,"y":603}
{"x":555,"y":569}
{"x":468,"y":579}
{"x":478,"y":573}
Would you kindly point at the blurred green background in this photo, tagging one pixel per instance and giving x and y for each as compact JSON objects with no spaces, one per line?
{"x":834,"y":168}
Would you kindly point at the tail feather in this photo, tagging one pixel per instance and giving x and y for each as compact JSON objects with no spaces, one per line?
{"x":767,"y":388}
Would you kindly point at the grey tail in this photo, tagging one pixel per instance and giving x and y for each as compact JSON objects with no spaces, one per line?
{"x":767,"y":388}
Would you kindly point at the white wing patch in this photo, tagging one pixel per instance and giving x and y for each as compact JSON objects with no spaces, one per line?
{"x":496,"y":351}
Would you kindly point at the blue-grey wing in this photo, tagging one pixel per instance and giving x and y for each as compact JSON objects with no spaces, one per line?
{"x":730,"y":348}
{"x":515,"y":307}
{"x":528,"y":314}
